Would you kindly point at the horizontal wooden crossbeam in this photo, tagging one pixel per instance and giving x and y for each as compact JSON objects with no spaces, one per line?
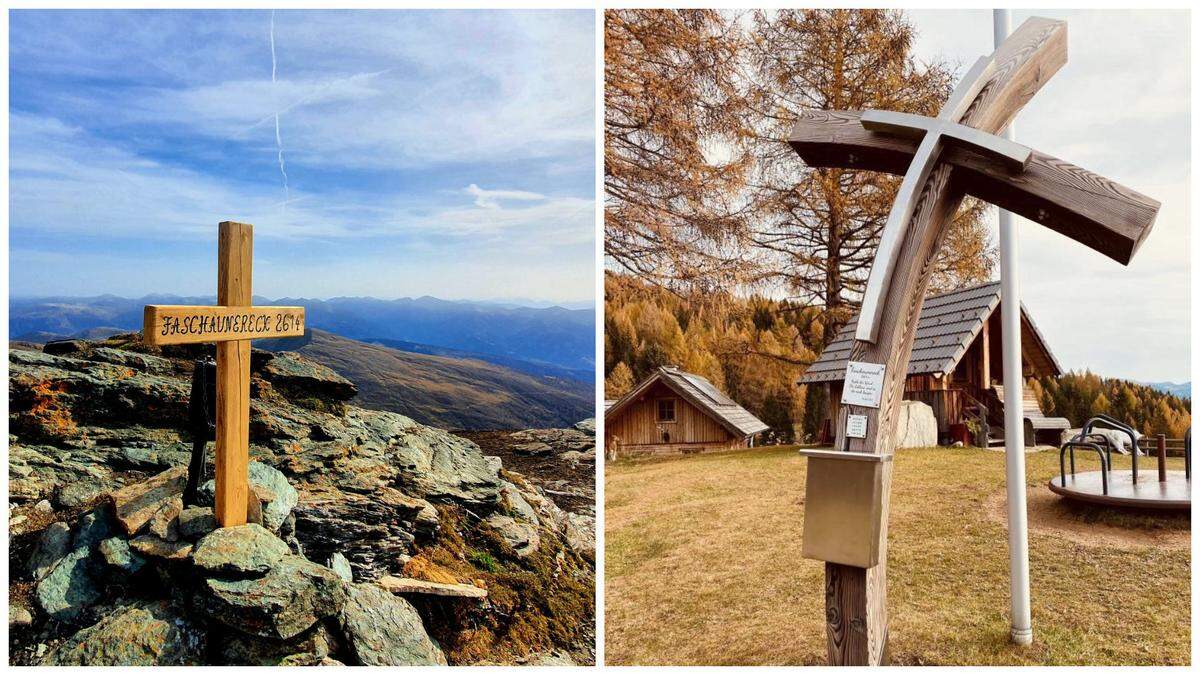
{"x":1092,"y":210}
{"x":183,"y":324}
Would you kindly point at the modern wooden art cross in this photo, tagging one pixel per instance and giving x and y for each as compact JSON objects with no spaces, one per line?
{"x":231,"y":324}
{"x":942,"y":160}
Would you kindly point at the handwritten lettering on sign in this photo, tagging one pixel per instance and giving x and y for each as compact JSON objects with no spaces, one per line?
{"x":176,"y":324}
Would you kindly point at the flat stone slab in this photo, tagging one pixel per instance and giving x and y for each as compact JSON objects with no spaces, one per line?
{"x":152,"y":546}
{"x":243,"y":550}
{"x":403,"y":585}
{"x":136,"y":504}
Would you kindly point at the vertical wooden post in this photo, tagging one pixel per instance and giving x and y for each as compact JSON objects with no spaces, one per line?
{"x":235,"y":254}
{"x":856,"y":625}
{"x":1162,"y":457}
{"x":985,"y":344}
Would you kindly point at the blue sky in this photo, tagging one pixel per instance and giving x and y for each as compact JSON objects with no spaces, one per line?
{"x":440,"y":153}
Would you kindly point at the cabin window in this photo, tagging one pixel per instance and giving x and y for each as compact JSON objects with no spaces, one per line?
{"x":666,"y":410}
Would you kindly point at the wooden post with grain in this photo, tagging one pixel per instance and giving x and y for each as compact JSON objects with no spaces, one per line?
{"x":231,"y":325}
{"x":946,"y":163}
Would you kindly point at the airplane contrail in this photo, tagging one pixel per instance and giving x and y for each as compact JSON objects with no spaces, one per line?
{"x":278,"y":138}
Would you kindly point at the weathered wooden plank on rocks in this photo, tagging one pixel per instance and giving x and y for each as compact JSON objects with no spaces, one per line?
{"x":404,"y":585}
{"x":183,"y":324}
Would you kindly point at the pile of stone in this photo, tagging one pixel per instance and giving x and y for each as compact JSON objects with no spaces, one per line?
{"x":242,"y":595}
{"x":343,"y":497}
{"x":575,"y":445}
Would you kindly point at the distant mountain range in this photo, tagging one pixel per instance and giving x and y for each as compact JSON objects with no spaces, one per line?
{"x":1182,"y":389}
{"x":450,"y":392}
{"x":536,"y":340}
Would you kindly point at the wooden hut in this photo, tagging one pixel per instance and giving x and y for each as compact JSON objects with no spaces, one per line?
{"x":676,"y":412}
{"x":957,"y":367}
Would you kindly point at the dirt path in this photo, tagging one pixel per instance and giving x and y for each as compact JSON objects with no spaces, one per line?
{"x":1096,"y":526}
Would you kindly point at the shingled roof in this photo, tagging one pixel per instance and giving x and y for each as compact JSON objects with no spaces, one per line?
{"x":949,"y":323}
{"x":699,"y":392}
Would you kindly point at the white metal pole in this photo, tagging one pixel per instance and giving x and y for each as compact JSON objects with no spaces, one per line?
{"x":1014,"y":385}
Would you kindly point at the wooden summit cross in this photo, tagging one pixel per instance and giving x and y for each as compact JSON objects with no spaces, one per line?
{"x":942,"y":160}
{"x":232,"y":323}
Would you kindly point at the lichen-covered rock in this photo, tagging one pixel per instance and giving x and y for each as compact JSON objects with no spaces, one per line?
{"x":116,"y":554}
{"x":276,"y":495}
{"x":152,"y":546}
{"x":146,"y":634}
{"x":292,"y":373}
{"x":80,"y":492}
{"x":277,"y":509}
{"x":281,"y":604}
{"x":19,"y":616}
{"x":136,"y":504}
{"x":309,"y":648}
{"x":111,"y":392}
{"x":547,"y":441}
{"x":70,"y":587}
{"x":94,"y":527}
{"x":370,"y":530}
{"x":384,"y":630}
{"x":339,"y":564}
{"x":111,"y":416}
{"x":516,"y":504}
{"x":53,"y":546}
{"x":441,"y":466}
{"x":196,"y":521}
{"x":522,"y":537}
{"x":245,"y":550}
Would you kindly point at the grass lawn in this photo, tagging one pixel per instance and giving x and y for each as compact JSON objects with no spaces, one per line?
{"x":703,"y":566}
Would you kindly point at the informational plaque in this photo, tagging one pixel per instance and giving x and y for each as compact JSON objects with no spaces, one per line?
{"x":856,"y":426}
{"x":864,"y":384}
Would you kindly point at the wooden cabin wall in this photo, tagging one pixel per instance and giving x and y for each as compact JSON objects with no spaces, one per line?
{"x":638,"y":424}
{"x":981,"y":366}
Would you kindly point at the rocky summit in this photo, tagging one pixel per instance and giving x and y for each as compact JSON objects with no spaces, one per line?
{"x":373,"y":540}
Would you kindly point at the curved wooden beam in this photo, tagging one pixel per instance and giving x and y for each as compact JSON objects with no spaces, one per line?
{"x":1094,"y":211}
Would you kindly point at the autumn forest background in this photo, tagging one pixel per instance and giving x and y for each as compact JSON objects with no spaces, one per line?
{"x":728,"y":257}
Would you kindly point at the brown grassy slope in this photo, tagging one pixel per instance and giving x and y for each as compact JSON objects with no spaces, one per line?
{"x":703,"y":566}
{"x":451,"y":393}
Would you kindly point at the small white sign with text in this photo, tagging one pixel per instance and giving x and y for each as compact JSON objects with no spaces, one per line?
{"x":864,"y":384}
{"x":856,"y":426}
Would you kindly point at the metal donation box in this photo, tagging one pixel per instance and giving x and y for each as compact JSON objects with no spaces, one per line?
{"x":843,"y":506}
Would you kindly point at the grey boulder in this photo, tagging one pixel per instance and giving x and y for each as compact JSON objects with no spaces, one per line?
{"x":384,"y":630}
{"x":147,"y":634}
{"x":281,"y":604}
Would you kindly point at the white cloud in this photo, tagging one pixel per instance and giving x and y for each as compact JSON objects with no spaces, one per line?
{"x":490,"y":199}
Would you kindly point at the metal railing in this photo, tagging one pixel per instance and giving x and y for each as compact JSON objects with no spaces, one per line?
{"x":1071,"y":445}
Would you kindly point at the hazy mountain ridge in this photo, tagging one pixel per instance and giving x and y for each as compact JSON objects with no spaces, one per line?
{"x":1180,"y":389}
{"x":444,"y":391}
{"x":553,"y":335}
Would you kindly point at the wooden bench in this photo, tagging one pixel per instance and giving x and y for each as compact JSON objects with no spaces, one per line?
{"x":1038,"y":427}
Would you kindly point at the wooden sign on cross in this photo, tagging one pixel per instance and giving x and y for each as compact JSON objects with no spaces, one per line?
{"x":231,"y":324}
{"x":942,"y":160}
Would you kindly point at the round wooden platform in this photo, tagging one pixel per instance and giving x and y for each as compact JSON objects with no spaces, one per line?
{"x":1148,"y":493}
